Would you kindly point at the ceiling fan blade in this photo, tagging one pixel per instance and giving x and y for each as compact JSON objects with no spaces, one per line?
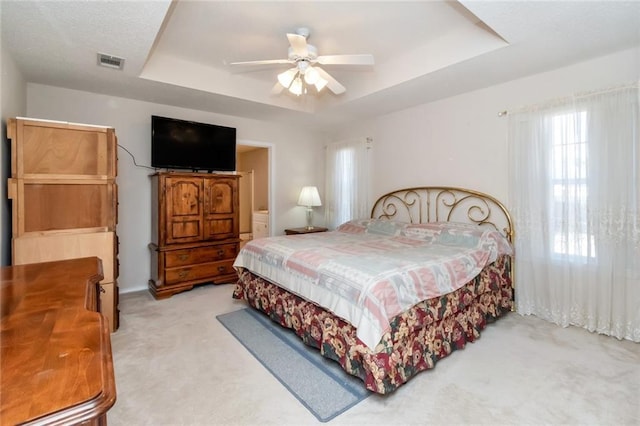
{"x":364,"y":59}
{"x":298,"y":44}
{"x":265,"y":62}
{"x":332,"y":84}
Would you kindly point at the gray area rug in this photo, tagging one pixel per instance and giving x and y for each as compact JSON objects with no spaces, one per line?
{"x":318,"y":383}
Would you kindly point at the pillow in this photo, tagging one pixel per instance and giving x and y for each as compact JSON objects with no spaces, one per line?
{"x":459,"y":234}
{"x":472,"y":235}
{"x":453,"y":233}
{"x":357,"y":226}
{"x":422,"y":231}
{"x":385,"y":227}
{"x":458,"y":237}
{"x":372,"y":226}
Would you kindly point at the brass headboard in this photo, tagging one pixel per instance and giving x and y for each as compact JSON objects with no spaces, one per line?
{"x":444,"y":204}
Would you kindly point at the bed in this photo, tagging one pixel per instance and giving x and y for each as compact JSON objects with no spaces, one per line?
{"x":390,"y":295}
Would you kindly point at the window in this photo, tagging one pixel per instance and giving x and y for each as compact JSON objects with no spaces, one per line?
{"x":569,"y":155}
{"x":574,"y":198}
{"x":347,"y":181}
{"x":344,"y":165}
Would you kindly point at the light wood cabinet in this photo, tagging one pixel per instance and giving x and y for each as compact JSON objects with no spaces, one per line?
{"x":64,"y":198}
{"x":260,"y":225}
{"x":195,"y":231}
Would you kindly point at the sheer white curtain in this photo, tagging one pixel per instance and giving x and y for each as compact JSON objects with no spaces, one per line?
{"x":575,"y":196}
{"x":348,"y":180}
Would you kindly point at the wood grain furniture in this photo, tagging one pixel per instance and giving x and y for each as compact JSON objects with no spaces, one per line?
{"x":64,"y":198}
{"x":432,"y":267}
{"x":304,"y":230}
{"x":57,"y":366}
{"x":195,"y":231}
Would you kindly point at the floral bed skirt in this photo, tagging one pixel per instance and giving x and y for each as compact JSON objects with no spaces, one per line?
{"x":418,"y":337}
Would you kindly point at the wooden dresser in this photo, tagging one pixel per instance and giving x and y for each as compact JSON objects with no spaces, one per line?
{"x":64,"y":197}
{"x":195,"y":231}
{"x":56,"y":360}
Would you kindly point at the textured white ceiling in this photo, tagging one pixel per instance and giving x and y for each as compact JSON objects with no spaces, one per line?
{"x":179,"y":52}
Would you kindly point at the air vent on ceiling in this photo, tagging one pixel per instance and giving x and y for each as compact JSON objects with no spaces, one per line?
{"x":110,"y":61}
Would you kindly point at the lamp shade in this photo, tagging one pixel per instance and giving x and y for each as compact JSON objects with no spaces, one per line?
{"x":309,"y":197}
{"x":286,"y":78}
{"x":311,"y":75}
{"x":296,"y":86}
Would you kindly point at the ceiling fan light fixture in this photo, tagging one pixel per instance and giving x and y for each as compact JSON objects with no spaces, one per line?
{"x":287,"y":77}
{"x":303,"y":57}
{"x":302,"y":65}
{"x":311,"y":76}
{"x":296,"y":86}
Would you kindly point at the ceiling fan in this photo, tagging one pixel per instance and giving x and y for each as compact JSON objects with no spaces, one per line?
{"x":306,"y":71}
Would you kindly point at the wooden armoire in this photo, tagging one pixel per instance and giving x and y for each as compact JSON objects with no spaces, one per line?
{"x":64,"y":198}
{"x":195,"y":231}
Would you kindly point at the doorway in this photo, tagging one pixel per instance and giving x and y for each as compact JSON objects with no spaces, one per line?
{"x":253,"y":166}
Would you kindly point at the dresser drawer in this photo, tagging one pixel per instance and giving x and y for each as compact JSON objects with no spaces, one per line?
{"x":191,"y":256}
{"x":209,"y":270}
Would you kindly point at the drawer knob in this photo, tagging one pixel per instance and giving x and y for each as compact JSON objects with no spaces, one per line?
{"x":221,"y":268}
{"x":183,"y":256}
{"x":183,"y":273}
{"x":220,"y":252}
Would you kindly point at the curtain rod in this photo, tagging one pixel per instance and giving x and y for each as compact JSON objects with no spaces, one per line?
{"x":631,"y":85}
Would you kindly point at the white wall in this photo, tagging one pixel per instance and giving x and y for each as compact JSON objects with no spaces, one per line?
{"x":294,"y":150}
{"x":13,"y":95}
{"x":461,"y":141}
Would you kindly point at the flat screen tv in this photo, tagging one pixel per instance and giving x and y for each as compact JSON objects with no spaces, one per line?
{"x":181,"y":144}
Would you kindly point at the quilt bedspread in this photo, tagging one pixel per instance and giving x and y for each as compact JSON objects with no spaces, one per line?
{"x":369,"y":271}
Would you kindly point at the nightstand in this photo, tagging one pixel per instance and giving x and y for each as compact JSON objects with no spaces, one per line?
{"x":304,"y":230}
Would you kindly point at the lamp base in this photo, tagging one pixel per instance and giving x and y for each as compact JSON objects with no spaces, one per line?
{"x":309,"y":217}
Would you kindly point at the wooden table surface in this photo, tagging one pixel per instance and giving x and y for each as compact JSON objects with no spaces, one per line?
{"x":56,"y":360}
{"x":304,"y":230}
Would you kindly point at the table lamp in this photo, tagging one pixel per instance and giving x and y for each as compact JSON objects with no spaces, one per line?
{"x":309,"y":198}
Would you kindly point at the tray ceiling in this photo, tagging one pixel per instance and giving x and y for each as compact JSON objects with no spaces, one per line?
{"x":179,"y":52}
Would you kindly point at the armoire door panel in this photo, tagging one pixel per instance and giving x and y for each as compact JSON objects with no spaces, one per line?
{"x":186,"y":230}
{"x":219,"y":228}
{"x":183,"y":210}
{"x":220,"y":197}
{"x":184,"y":199}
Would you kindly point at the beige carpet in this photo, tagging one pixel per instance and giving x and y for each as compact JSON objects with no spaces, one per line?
{"x":175,"y":364}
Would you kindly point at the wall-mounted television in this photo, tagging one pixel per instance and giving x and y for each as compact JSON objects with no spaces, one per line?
{"x":181,"y":144}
